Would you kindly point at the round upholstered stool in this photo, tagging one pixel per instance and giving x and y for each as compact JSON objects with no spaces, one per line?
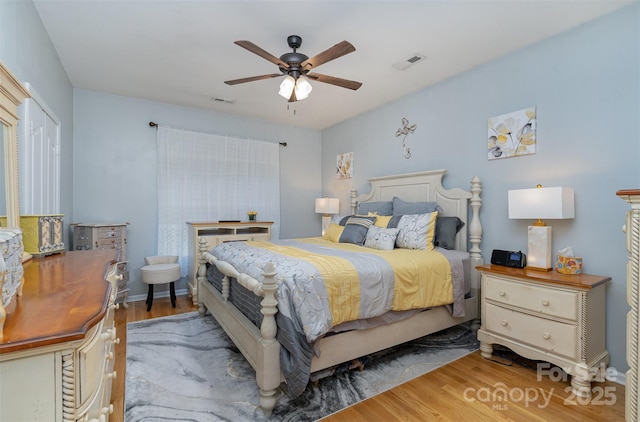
{"x":160,"y":270}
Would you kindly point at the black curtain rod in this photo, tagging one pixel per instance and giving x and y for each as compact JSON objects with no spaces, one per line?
{"x":154,"y":124}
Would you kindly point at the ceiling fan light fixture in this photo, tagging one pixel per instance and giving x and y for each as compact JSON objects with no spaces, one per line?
{"x":303,"y":88}
{"x":287,"y":86}
{"x":301,"y":85}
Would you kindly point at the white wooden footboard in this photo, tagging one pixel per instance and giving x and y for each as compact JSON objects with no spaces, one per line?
{"x":259,"y":346}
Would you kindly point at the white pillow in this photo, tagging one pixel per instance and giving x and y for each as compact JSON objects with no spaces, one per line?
{"x":416,"y":231}
{"x":381,"y":238}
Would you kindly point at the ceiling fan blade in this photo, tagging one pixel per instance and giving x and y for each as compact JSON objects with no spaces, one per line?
{"x":253,"y":78}
{"x":262,"y":53}
{"x":329,"y":54}
{"x":344,"y":83}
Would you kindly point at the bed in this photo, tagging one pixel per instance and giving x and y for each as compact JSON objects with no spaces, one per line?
{"x":262,"y":340}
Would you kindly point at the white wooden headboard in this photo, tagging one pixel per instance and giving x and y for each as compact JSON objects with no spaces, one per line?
{"x":427,"y":186}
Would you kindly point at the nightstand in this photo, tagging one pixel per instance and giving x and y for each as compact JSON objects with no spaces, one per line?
{"x":547,"y":316}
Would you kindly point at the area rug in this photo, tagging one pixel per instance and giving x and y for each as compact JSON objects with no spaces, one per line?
{"x":185,"y":368}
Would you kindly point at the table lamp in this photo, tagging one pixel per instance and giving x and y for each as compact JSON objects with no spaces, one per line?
{"x":327,"y":206}
{"x":536,"y":204}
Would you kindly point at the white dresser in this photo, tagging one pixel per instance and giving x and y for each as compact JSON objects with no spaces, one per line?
{"x":547,"y":316}
{"x":58,"y":366}
{"x":632,"y":230}
{"x":12,"y":280}
{"x":216,"y":233}
{"x":106,"y":236}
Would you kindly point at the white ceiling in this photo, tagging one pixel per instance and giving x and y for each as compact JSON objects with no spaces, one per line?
{"x":181,"y":52}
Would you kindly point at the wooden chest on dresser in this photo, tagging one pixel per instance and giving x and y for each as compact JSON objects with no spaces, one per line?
{"x":216,"y":233}
{"x":547,"y":316}
{"x":42,"y":234}
{"x":105,"y":236}
{"x":59,"y":366}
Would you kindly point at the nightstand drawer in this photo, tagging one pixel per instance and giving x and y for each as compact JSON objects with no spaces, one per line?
{"x":544,"y":300}
{"x":543,"y":334}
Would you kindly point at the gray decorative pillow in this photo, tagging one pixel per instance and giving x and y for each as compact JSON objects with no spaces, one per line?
{"x":379,"y":238}
{"x":401,"y":207}
{"x":356,"y":228}
{"x":380,"y":208}
{"x":446,"y":230}
{"x":416,"y":231}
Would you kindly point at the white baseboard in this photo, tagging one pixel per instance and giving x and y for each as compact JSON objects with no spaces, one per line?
{"x":620,"y":379}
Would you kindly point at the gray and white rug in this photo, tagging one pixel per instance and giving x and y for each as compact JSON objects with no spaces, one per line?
{"x":185,"y":368}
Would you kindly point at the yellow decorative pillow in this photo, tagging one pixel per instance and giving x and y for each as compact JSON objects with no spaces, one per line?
{"x":381,"y":220}
{"x":333,"y":233}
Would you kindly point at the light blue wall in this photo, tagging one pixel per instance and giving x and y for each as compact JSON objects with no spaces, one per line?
{"x":26,"y":49}
{"x":115,"y":157}
{"x":585,"y":85}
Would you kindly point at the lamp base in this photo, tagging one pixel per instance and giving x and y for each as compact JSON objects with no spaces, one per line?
{"x":539,"y":245}
{"x":326,"y":220}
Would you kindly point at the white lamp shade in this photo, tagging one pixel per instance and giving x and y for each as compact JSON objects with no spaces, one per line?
{"x":286,"y":87}
{"x":327,"y":205}
{"x":303,"y":89}
{"x":538,"y":203}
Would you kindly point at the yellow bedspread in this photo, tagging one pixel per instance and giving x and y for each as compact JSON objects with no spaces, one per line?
{"x":421,"y":278}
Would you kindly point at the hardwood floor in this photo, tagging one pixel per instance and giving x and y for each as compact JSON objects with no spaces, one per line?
{"x":469,"y":389}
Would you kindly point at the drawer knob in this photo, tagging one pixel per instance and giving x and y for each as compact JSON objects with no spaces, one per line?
{"x":503,"y":323}
{"x":546,"y":336}
{"x":545,"y":303}
{"x":501,"y":293}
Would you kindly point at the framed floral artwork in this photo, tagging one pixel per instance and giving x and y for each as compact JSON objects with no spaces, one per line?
{"x":512,"y":134}
{"x":344,"y":165}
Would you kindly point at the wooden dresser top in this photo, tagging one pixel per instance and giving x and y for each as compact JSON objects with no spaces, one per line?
{"x":583,"y":281}
{"x":64,"y":296}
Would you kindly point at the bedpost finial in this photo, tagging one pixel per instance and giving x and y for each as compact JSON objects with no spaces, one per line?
{"x":269,"y":269}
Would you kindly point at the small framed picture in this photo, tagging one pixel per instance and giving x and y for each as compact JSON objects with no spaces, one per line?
{"x":512,"y":134}
{"x":344,"y":165}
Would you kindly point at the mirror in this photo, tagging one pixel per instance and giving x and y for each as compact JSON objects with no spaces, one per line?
{"x":12,"y":94}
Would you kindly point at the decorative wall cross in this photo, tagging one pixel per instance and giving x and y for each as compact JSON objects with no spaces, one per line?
{"x":405,"y":130}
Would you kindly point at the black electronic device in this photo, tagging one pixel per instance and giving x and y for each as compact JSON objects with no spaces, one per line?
{"x":509,"y":258}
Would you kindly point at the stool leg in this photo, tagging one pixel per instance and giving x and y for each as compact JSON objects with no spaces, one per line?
{"x":172,"y":291}
{"x":150,"y":297}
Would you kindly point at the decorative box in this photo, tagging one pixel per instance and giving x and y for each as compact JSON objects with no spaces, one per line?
{"x":569,"y":264}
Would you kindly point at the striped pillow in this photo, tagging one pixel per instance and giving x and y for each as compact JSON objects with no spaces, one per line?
{"x":355,"y":229}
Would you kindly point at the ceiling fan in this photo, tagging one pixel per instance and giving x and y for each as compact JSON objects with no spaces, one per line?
{"x":298,"y":66}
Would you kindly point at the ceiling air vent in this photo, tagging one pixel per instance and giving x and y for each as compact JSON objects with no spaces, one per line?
{"x":404,"y":64}
{"x":222,"y":100}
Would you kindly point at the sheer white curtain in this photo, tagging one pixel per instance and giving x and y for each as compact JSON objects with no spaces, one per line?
{"x":204,"y":177}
